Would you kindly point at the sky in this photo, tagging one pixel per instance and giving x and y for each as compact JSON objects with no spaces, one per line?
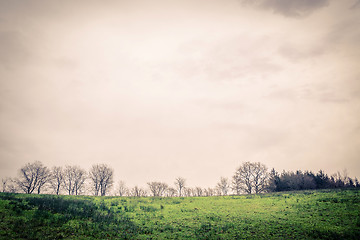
{"x":192,"y":88}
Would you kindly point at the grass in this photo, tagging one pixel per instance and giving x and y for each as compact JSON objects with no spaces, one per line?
{"x":328,"y":214}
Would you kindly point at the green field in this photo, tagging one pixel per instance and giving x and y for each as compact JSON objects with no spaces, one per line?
{"x":327,"y":214}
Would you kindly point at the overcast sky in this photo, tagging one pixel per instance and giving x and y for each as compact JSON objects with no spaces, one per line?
{"x":193,"y":88}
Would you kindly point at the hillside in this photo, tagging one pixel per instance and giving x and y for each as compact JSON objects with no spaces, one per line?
{"x":330,"y":214}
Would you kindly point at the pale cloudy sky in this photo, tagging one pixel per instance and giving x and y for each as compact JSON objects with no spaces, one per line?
{"x":192,"y":88}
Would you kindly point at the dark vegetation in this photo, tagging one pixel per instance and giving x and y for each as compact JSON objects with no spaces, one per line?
{"x":56,"y":217}
{"x":289,"y":181}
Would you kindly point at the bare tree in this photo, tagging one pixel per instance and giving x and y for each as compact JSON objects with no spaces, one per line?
{"x":74,"y":179}
{"x":198,"y":191}
{"x":170,"y":192}
{"x":12,"y":186}
{"x":157,"y":189}
{"x":238,"y":182}
{"x":260,"y":177}
{"x":223,"y":186}
{"x":251,"y":178}
{"x":4,"y":183}
{"x":32,"y":176}
{"x":180,"y":184}
{"x":101,"y":176}
{"x":242,"y":179}
{"x":209,"y":192}
{"x":57,"y":178}
{"x":9,"y":185}
{"x":44,"y":178}
{"x":122,"y":189}
{"x":138,"y":192}
{"x":188,"y":192}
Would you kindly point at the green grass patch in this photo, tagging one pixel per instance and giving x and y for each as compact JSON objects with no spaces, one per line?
{"x":290,"y":215}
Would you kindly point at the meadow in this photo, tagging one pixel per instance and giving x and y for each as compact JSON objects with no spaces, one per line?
{"x":321,"y":214}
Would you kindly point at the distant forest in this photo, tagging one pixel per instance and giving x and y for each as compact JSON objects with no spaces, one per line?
{"x":249,"y":178}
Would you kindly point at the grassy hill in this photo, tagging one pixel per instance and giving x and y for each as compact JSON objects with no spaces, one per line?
{"x":328,"y":214}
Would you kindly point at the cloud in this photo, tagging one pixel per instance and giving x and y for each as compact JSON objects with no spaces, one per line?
{"x":232,"y":58}
{"x":317,"y":93}
{"x":12,"y":48}
{"x":296,"y":53}
{"x":289,"y":8}
{"x":255,"y":136}
{"x":356,"y":5}
{"x":332,"y":97}
{"x":345,"y":32}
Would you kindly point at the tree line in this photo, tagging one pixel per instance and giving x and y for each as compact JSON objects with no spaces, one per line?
{"x":72,"y":180}
{"x":249,"y":178}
